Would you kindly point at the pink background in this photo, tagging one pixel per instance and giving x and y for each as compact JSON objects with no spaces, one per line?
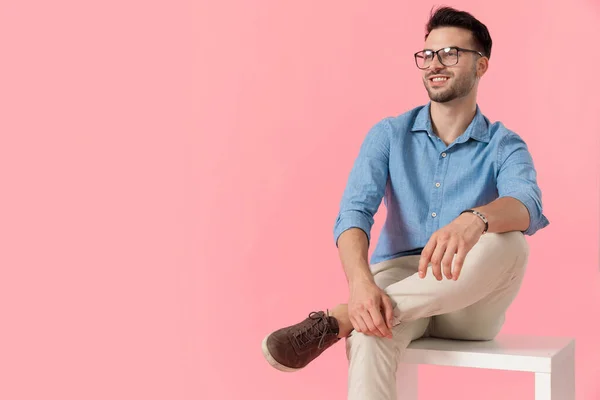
{"x":171,"y":173}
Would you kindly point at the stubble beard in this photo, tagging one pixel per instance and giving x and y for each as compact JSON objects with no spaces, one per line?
{"x":457,"y":88}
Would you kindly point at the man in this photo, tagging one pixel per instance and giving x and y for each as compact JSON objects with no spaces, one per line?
{"x":460,"y":193}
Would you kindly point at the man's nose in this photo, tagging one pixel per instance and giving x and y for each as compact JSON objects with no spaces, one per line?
{"x":435,"y":63}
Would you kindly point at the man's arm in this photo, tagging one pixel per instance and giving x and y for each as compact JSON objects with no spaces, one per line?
{"x":366,"y":183}
{"x":361,"y":199}
{"x":353,"y":248}
{"x":369,"y":307}
{"x":519,"y":206}
{"x":504,"y":215}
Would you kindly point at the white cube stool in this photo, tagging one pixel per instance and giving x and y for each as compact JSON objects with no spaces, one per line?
{"x":551,"y":359}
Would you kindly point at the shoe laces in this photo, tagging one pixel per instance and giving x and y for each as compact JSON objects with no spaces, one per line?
{"x":320,"y":327}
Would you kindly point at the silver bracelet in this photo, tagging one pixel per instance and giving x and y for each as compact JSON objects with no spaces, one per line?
{"x":480,"y":215}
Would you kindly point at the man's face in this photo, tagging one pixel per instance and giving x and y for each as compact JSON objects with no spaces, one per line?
{"x":462,"y":77}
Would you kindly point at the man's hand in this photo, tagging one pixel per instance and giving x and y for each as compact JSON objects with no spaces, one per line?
{"x":370,"y":309}
{"x":458,"y":237}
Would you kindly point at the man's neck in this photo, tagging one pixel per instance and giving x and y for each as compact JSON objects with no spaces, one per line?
{"x":450,"y":120}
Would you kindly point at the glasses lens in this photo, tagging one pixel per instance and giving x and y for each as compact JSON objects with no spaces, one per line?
{"x":449,"y":56}
{"x":424,"y":58}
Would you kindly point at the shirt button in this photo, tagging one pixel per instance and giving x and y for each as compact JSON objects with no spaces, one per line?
{"x":433,"y":215}
{"x":443,"y":154}
{"x":437,"y":184}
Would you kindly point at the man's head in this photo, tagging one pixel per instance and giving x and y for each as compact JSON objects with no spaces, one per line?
{"x":447,"y":30}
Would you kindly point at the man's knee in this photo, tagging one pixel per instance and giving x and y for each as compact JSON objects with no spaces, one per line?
{"x":360,"y":346}
{"x":508,"y":248}
{"x":513,"y":241}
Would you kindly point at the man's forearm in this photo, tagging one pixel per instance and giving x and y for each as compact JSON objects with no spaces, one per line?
{"x":504,"y":215}
{"x":353,"y":248}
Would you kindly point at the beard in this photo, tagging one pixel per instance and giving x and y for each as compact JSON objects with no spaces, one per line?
{"x":457,"y":88}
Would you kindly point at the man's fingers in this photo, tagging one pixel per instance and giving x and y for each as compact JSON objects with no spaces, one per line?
{"x":448,"y":257}
{"x":354,"y":324}
{"x":423,"y":263}
{"x":388,"y":311}
{"x":371,"y":328}
{"x":459,"y":261}
{"x":379,"y":323}
{"x":426,"y":257}
{"x":436,"y":260}
{"x":358,"y":324}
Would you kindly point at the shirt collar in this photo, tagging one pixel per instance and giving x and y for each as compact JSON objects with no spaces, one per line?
{"x":477,"y":129}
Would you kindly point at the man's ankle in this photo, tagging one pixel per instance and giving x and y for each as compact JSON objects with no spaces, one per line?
{"x":340,"y":313}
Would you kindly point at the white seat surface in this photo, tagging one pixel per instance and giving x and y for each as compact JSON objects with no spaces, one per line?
{"x":506,"y":352}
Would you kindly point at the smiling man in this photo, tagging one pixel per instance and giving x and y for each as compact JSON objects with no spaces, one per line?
{"x":461,"y":193}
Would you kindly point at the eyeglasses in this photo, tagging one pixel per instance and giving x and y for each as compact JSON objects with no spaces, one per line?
{"x":447,"y":56}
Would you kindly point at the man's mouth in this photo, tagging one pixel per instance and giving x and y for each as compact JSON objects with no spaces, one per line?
{"x":438,"y":80}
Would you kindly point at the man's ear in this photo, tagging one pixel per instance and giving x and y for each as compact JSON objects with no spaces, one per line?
{"x":482,"y":66}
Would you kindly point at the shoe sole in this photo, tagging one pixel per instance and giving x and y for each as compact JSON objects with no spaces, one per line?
{"x":272,"y":361}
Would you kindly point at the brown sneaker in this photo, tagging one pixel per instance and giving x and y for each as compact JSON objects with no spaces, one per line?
{"x":292,"y":348}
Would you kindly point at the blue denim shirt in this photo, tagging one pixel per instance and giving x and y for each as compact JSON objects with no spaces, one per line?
{"x":426,"y":184}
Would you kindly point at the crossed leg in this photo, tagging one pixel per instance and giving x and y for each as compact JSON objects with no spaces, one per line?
{"x":470,"y":308}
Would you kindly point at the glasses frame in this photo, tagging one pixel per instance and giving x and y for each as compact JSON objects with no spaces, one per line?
{"x":439,"y":57}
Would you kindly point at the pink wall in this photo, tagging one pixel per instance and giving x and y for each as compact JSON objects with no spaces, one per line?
{"x":171,"y":175}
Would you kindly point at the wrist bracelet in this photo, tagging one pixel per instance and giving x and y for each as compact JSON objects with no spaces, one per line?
{"x":480,"y":215}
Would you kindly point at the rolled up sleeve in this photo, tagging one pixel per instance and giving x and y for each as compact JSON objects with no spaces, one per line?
{"x":517,"y":178}
{"x":366,"y":182}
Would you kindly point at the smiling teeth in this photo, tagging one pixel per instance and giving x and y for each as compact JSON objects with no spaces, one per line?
{"x":439,"y":79}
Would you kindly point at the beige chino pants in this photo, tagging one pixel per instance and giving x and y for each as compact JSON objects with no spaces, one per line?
{"x":470,"y":308}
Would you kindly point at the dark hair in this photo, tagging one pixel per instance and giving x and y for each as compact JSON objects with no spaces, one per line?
{"x":450,"y":17}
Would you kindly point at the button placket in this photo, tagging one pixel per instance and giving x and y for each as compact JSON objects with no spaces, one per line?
{"x":436,"y":195}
